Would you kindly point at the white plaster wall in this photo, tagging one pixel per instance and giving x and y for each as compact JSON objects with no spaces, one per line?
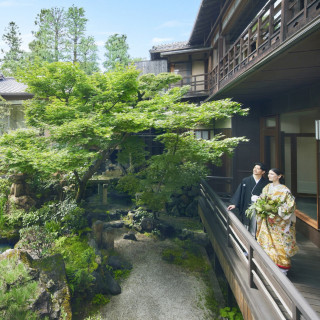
{"x":306,"y":163}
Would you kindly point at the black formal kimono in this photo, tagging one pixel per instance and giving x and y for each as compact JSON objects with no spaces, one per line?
{"x":242,"y":197}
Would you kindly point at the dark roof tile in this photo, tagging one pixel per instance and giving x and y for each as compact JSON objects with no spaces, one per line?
{"x":9,"y":85}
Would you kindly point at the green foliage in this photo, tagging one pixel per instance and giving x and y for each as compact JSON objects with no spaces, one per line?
{"x":76,"y":26}
{"x":36,"y":239}
{"x":94,"y":317}
{"x":14,"y":57}
{"x":132,"y":154}
{"x":100,"y":299}
{"x":80,"y":262}
{"x":13,"y":220}
{"x":4,"y":187}
{"x":60,"y":36}
{"x":211,"y":302}
{"x":17,"y":290}
{"x":231,"y":314}
{"x":150,"y":84}
{"x":187,"y":255}
{"x":58,"y":217}
{"x":5,"y":111}
{"x":89,"y":117}
{"x":119,"y":274}
{"x":4,"y":193}
{"x":88,"y":55}
{"x":116,"y":51}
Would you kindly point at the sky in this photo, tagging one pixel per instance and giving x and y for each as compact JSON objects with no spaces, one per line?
{"x":146,"y":23}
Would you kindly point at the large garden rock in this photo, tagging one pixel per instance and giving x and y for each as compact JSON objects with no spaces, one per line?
{"x":147,"y":224}
{"x":19,"y":192}
{"x":166,"y":230}
{"x":103,"y":233}
{"x":192,"y":209}
{"x":104,"y":282}
{"x":130,"y":236}
{"x":23,"y":202}
{"x":51,"y":296}
{"x":107,"y":239}
{"x":118,"y":263}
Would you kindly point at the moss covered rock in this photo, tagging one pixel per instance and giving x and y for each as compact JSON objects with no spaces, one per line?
{"x":33,"y":289}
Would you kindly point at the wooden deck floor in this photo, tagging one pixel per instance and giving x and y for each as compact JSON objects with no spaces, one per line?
{"x":305,"y":274}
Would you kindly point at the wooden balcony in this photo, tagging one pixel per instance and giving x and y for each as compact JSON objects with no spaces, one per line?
{"x":261,"y":290}
{"x":198,"y":85}
{"x":275,"y":27}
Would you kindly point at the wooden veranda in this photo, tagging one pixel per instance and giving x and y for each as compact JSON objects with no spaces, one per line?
{"x":260,"y":289}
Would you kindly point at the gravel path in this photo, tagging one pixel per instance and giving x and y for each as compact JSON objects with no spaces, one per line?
{"x":155,"y":289}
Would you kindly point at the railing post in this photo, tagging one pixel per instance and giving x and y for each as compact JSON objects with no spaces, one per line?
{"x":249,"y":41}
{"x":305,"y":8}
{"x":228,"y":232}
{"x":284,"y":18}
{"x":295,"y":313}
{"x":271,"y":22}
{"x":250,"y":267}
{"x":259,"y":38}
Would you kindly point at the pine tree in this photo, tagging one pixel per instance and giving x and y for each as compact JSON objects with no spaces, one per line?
{"x":76,"y":27}
{"x":117,"y":51}
{"x":13,"y":57}
{"x":50,"y":39}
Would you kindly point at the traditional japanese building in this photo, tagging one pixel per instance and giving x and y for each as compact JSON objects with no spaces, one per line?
{"x":12,"y":95}
{"x":265,"y":55}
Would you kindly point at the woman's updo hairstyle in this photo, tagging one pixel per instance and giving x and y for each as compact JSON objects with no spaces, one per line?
{"x":278,"y":172}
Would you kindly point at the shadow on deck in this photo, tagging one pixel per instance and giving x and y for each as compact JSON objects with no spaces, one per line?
{"x":304,"y":273}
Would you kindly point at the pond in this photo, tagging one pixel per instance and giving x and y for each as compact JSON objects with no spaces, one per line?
{"x":4,"y":247}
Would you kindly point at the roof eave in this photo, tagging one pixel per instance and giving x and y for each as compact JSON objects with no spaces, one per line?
{"x":186,"y":51}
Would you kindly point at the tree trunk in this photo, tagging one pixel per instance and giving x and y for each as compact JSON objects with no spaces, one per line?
{"x":104,"y":155}
{"x":82,"y":183}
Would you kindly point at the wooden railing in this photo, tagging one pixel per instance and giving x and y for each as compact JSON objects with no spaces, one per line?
{"x":197,"y":83}
{"x":262,"y":273}
{"x":274,"y":24}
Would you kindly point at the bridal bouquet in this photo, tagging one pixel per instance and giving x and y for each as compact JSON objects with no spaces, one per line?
{"x":264,"y":207}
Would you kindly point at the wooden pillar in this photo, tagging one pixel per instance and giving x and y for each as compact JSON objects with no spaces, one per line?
{"x":104,"y":193}
{"x":220,"y":56}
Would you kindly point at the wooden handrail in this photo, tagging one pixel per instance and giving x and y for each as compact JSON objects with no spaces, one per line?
{"x":260,"y":268}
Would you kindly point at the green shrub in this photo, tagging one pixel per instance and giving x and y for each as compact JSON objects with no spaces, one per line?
{"x":14,"y":219}
{"x":40,"y":216}
{"x":17,"y":289}
{"x":37,"y":239}
{"x":63,"y":217}
{"x":231,"y":314}
{"x":100,"y":299}
{"x":94,"y":317}
{"x":119,"y":274}
{"x":186,"y":254}
{"x":80,"y":262}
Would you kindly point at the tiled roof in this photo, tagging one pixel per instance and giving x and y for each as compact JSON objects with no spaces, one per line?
{"x":9,"y":86}
{"x":170,"y":47}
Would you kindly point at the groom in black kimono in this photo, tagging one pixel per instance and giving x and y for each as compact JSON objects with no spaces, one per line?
{"x":247,"y":192}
